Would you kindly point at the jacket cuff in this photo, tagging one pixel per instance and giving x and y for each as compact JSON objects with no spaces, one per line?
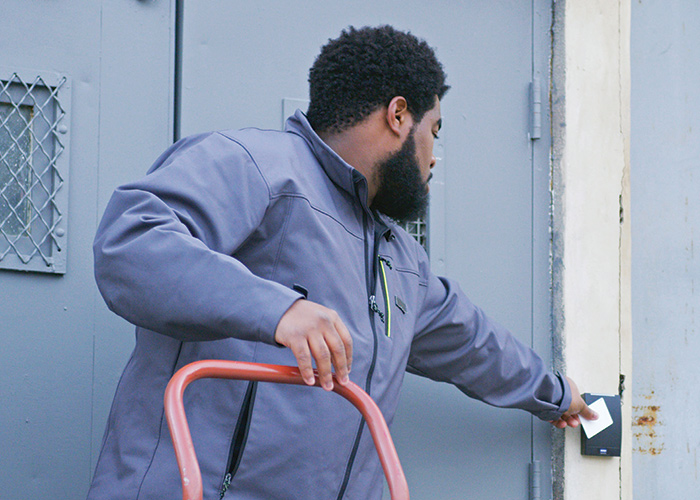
{"x":563,"y":403}
{"x":273,"y":312}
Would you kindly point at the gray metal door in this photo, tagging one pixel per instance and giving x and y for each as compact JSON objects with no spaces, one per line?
{"x":83,"y":107}
{"x":665,"y":183}
{"x":245,"y":62}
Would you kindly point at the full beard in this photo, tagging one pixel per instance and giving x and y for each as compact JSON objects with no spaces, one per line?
{"x":402,"y":194}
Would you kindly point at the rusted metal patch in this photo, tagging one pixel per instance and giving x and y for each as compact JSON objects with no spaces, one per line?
{"x":646,"y":424}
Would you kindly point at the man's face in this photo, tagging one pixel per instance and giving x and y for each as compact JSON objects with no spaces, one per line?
{"x":404,"y":175}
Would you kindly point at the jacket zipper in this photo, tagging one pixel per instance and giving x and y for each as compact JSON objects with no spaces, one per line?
{"x":385,"y":290}
{"x":375,"y":308}
{"x":371,"y":273}
{"x":240,"y":436}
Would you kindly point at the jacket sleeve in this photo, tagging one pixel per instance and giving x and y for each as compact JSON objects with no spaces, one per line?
{"x":163,"y":250}
{"x":457,"y":343}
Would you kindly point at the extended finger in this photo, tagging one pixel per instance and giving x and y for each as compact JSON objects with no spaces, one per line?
{"x":322,"y":355}
{"x":346,"y":339}
{"x":337,"y":350}
{"x":301,"y":352}
{"x":338,"y":355}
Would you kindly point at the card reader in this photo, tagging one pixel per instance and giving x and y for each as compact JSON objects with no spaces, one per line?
{"x":607,"y":442}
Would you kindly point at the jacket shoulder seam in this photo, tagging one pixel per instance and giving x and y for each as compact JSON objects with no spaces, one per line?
{"x":315,"y":208}
{"x":252,"y":158}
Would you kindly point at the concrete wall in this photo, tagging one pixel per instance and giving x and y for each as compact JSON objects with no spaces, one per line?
{"x":591,"y":240}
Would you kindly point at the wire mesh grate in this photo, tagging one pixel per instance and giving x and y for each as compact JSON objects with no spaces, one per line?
{"x":30,"y":180}
{"x":419,"y":230}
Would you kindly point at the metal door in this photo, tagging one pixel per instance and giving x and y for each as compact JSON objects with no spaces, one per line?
{"x":242,"y":65}
{"x":109,"y":63}
{"x":665,"y":183}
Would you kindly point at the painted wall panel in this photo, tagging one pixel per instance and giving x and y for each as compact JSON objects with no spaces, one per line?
{"x":665,"y":266}
{"x":45,"y":325}
{"x":62,"y":353}
{"x":135,"y":127}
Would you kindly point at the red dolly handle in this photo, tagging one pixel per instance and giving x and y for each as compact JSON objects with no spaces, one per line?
{"x":239,"y":370}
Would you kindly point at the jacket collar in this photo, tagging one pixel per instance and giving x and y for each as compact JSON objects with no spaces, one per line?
{"x":341,"y":173}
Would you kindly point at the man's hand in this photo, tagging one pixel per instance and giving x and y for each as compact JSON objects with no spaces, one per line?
{"x":578,"y":408}
{"x":314,"y":332}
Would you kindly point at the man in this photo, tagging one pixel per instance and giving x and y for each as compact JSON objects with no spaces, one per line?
{"x":281,"y":247}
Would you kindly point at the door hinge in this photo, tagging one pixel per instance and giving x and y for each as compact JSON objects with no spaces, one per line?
{"x":535,"y":493}
{"x":535,"y":109}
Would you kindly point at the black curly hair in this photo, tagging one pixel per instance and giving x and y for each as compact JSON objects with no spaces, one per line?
{"x":364,"y":69}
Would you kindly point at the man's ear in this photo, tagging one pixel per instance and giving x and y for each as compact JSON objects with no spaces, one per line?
{"x":398,"y":117}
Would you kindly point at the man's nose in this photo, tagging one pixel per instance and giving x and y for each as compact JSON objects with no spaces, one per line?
{"x":433,"y":161}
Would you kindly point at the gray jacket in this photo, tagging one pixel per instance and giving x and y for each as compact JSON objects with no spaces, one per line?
{"x":207,"y":252}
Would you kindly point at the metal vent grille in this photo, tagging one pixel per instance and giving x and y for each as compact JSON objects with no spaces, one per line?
{"x":419,"y":230}
{"x":33,"y":172}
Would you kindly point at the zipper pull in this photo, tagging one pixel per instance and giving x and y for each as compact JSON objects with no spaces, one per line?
{"x":374,"y":307}
{"x":224,"y":487}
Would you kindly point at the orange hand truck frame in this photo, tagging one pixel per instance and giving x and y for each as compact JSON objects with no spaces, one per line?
{"x":182,"y":440}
